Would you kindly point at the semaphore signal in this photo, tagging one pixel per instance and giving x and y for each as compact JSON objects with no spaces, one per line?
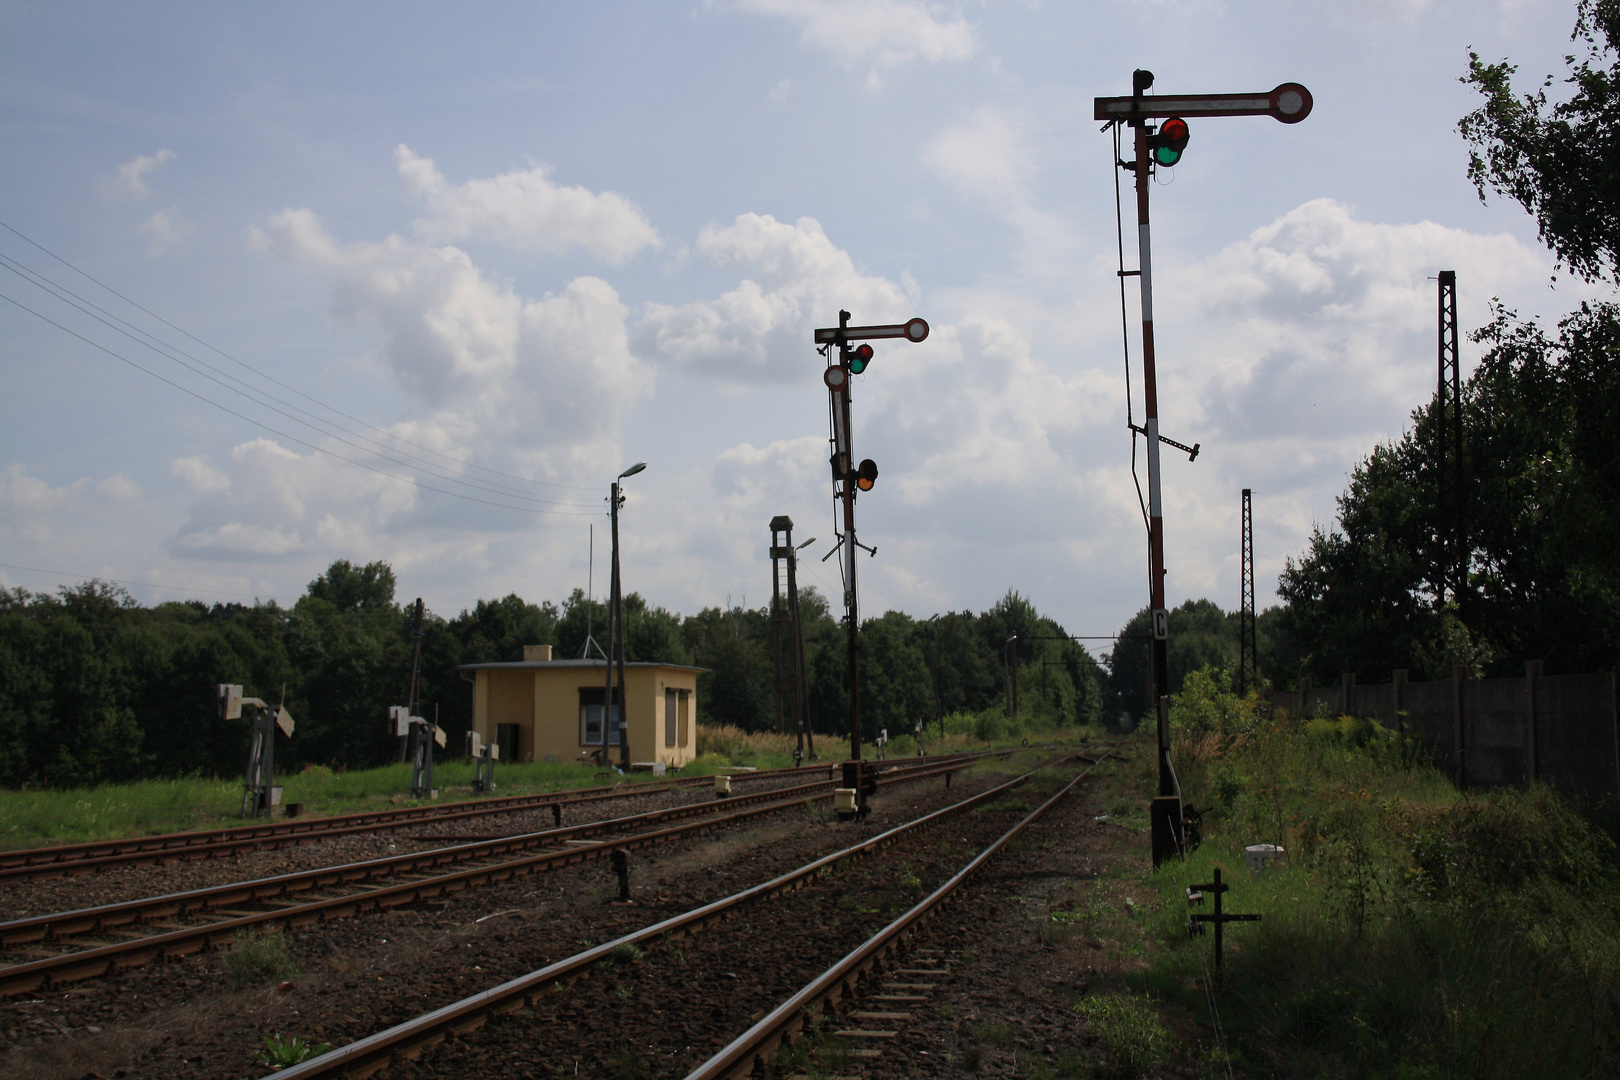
{"x":849,"y":479}
{"x":1162,"y":148}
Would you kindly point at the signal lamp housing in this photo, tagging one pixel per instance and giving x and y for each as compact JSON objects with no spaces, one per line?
{"x":866,"y":475}
{"x":1167,"y":146}
{"x":859,"y":358}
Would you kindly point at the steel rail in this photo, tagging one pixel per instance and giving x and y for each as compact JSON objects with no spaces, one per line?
{"x":103,"y":960}
{"x":58,"y":925}
{"x":366,"y":1056}
{"x":752,"y":1048}
{"x":89,"y":857}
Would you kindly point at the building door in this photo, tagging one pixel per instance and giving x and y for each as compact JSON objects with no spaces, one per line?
{"x":506,"y":737}
{"x":672,"y":716}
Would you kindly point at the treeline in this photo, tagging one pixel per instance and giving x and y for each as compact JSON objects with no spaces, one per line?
{"x":95,"y":687}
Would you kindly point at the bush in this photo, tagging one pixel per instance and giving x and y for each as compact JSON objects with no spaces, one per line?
{"x":1414,"y":930}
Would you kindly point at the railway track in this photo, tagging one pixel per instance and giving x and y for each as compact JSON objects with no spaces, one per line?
{"x":88,"y":858}
{"x":864,"y":987}
{"x":56,"y":949}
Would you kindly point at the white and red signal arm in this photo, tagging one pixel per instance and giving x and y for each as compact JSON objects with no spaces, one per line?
{"x":1289,"y":103}
{"x":912,"y":330}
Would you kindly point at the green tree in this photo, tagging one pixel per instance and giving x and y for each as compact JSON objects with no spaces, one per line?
{"x":895,"y":682}
{"x":1559,"y":160}
{"x":1201,"y":635}
{"x":351,"y":644}
{"x":734,"y":644}
{"x":1543,"y":492}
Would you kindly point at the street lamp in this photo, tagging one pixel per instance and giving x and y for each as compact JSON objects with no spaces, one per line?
{"x":1011,"y":661}
{"x":616,"y":633}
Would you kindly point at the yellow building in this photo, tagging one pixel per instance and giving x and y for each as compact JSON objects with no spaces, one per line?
{"x":540,"y":709}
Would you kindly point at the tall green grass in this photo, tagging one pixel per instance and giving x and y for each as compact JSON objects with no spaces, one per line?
{"x":1414,"y":931}
{"x":52,"y":816}
{"x":31,"y":817}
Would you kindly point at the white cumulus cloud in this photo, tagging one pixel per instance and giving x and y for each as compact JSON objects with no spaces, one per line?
{"x":167,"y":227}
{"x":550,"y":371}
{"x":884,"y":34}
{"x":200,"y":476}
{"x":118,"y":487}
{"x":525,"y":210}
{"x":277,"y":503}
{"x":130,"y":177}
{"x":761,"y":331}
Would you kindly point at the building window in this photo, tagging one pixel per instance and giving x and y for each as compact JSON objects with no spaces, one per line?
{"x":590,"y":716}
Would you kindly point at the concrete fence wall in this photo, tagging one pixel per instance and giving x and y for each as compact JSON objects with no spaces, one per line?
{"x":1561,"y":729}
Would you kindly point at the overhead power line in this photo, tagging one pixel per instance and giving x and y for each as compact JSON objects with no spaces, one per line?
{"x":385,"y":451}
{"x":282,"y":434}
{"x":252,"y":394}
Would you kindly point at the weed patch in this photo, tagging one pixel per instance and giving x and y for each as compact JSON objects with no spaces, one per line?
{"x":1129,"y":1029}
{"x":254,"y":959}
{"x":278,"y":1053}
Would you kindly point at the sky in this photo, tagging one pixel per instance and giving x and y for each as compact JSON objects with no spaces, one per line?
{"x":291,"y":283}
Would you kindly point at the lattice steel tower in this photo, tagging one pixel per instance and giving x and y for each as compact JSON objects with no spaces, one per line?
{"x":1451,"y":535}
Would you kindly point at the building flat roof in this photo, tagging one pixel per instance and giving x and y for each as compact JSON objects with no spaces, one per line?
{"x":535,"y":665}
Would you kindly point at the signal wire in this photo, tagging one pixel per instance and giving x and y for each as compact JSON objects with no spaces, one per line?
{"x":250,"y":392}
{"x":273,"y":379}
{"x":275,"y":431}
{"x":1125,"y":328}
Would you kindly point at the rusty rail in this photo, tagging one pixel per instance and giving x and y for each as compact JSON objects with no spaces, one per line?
{"x":68,"y":859}
{"x":107,"y":959}
{"x":363,"y":1057}
{"x":753,"y":1048}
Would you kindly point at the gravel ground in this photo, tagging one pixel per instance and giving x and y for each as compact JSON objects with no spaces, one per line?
{"x":191,"y":1018}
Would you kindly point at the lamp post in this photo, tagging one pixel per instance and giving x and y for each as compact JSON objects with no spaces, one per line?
{"x":1009,"y":657}
{"x":616,"y":633}
{"x":933,"y":674}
